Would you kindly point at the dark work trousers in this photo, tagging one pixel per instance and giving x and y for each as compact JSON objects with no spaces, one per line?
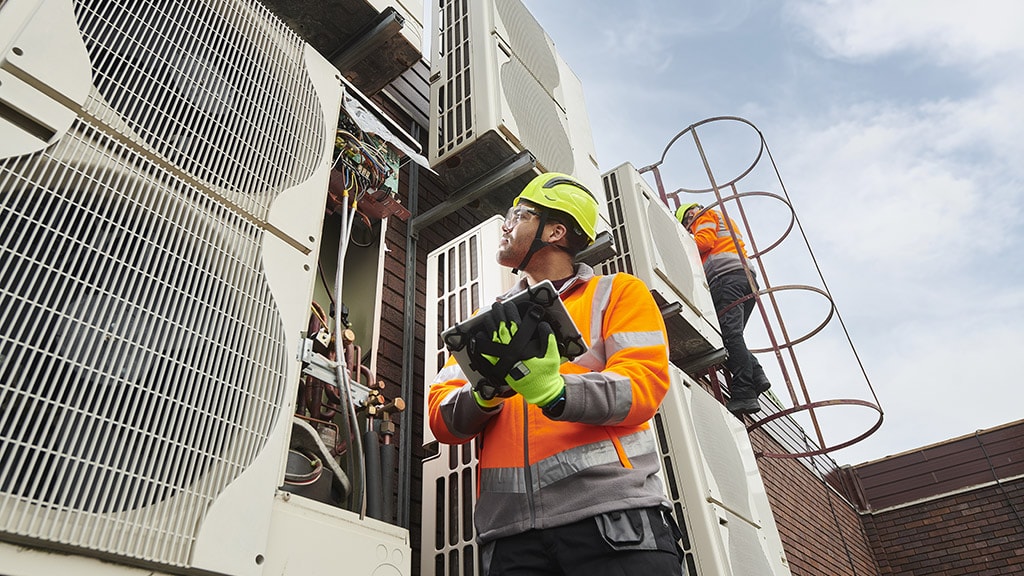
{"x":624,"y":543}
{"x":726,"y":289}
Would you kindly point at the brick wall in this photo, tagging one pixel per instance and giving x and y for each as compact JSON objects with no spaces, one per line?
{"x":821,"y":532}
{"x":974,"y":532}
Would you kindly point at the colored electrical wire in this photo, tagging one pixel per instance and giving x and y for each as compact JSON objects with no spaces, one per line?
{"x":319,"y":314}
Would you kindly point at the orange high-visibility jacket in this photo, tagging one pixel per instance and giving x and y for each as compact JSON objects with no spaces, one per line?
{"x":717,"y":250}
{"x":600,"y":454}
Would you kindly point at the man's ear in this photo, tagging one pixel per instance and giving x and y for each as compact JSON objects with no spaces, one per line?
{"x":556,"y":231}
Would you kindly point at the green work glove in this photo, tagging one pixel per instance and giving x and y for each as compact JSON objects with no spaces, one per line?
{"x":537,"y":379}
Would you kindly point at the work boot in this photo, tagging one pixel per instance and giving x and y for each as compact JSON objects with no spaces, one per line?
{"x":741,"y":406}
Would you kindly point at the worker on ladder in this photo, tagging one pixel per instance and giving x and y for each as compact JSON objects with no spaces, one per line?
{"x":733,"y":296}
{"x":568,"y":476}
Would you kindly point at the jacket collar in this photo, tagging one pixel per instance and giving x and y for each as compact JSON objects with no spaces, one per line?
{"x":584,"y":273}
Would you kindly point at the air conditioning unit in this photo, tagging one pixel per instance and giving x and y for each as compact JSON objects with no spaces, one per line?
{"x":462,"y":277}
{"x":653,"y":246}
{"x":711,"y":476}
{"x":163,"y":173}
{"x":498,"y":87}
{"x":371,"y":42}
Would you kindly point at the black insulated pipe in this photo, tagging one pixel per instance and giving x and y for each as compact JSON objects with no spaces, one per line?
{"x":389,"y":467}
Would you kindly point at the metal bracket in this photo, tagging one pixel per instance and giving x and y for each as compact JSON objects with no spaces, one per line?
{"x":385,"y":26}
{"x":507,"y":171}
{"x":603,"y":249}
{"x":326,"y":370}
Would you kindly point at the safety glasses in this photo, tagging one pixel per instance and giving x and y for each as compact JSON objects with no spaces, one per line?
{"x":517,"y":214}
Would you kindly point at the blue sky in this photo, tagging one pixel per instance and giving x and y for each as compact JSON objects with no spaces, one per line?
{"x":897,"y":130}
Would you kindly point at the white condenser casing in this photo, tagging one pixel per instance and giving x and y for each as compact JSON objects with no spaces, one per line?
{"x":163,"y":175}
{"x":498,"y":87}
{"x":653,"y":246}
{"x":711,"y":477}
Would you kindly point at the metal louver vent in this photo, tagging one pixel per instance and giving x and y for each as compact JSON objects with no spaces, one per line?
{"x":457,"y":293}
{"x":143,"y":357}
{"x":655,"y":248}
{"x":674,"y":490}
{"x":500,"y":87}
{"x":455,"y":96}
{"x":623,"y":261}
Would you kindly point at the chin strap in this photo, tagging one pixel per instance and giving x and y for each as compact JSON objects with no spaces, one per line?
{"x":537,"y":245}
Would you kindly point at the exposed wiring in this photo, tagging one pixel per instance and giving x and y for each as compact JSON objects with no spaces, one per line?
{"x":364,"y":170}
{"x":362,"y":161}
{"x":375,"y":156}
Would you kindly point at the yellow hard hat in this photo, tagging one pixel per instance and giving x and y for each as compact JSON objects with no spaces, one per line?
{"x":681,"y":211}
{"x":563,"y":192}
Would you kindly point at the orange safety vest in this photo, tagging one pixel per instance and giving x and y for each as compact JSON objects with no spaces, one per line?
{"x":600,"y":454}
{"x":718,"y":252}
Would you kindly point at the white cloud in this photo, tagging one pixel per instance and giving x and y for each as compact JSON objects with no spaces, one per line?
{"x":873,"y":187}
{"x":951,"y":31}
{"x":644,"y":36}
{"x":905,"y":181}
{"x":990,"y":123}
{"x":643,"y":42}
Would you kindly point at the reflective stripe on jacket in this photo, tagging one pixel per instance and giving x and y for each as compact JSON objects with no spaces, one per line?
{"x":600,"y":454}
{"x":717,"y":250}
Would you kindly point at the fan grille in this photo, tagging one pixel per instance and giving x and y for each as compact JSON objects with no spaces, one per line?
{"x":530,"y":44}
{"x":218,"y":88}
{"x":141,"y":355}
{"x":143,"y":358}
{"x":539,"y":120}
